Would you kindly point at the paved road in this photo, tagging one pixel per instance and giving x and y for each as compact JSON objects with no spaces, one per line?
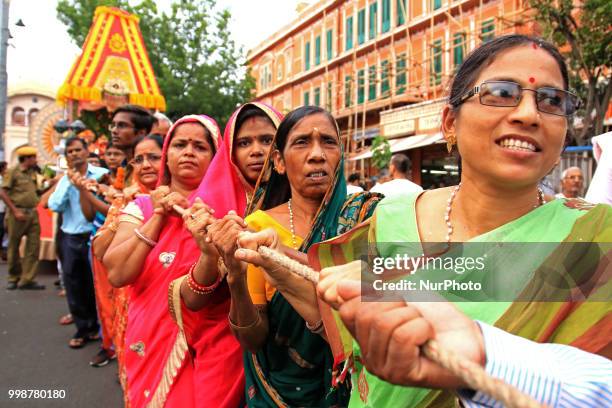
{"x":35,"y":353}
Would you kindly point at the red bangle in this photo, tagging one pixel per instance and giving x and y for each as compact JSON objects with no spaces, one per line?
{"x":201,"y":289}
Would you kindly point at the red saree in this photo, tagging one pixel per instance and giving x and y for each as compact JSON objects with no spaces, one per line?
{"x":166,"y":343}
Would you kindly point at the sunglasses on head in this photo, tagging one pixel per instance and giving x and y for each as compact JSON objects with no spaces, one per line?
{"x":509,"y":94}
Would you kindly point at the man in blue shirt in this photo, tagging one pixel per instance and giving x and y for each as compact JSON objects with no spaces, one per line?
{"x":74,"y":247}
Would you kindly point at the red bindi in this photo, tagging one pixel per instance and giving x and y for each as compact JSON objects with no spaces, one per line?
{"x":532,"y":80}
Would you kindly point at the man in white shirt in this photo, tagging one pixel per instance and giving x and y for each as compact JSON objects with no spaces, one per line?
{"x":571,"y":183}
{"x":398,"y":169}
{"x":352,"y":185}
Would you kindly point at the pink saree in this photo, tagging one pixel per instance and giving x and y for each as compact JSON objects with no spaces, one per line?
{"x":166,"y":344}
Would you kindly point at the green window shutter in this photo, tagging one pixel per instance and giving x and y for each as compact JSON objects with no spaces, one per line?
{"x":307,"y":56}
{"x":306,"y":98}
{"x":437,"y":4}
{"x":436,"y":62}
{"x":373,"y":20}
{"x":402,"y":11}
{"x":386,"y":15}
{"x":372,"y":85}
{"x":317,"y":96}
{"x":317,"y":50}
{"x":384,"y":78}
{"x":487,"y":31}
{"x":330,"y":47}
{"x":360,"y":86}
{"x":328,"y":99}
{"x":361,"y":26}
{"x":349,"y":34}
{"x":400,"y":74}
{"x":347,"y":91}
{"x":458,"y":49}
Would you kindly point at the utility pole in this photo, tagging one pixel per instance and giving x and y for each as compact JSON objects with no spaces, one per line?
{"x":4,"y":31}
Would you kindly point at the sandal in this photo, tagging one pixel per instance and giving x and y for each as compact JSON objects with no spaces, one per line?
{"x":66,"y":320}
{"x":77,"y":342}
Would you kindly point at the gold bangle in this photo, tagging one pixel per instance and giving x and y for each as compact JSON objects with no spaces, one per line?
{"x":144,"y":238}
{"x":250,"y":326}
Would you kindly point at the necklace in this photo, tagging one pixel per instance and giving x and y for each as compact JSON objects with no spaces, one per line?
{"x":449,"y":203}
{"x":291,"y":226}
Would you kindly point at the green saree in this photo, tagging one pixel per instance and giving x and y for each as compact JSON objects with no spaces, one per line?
{"x":294,"y":367}
{"x":583,"y":324}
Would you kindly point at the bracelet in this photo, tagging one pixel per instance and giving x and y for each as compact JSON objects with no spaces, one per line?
{"x":234,"y":327}
{"x":201,"y":289}
{"x":316,"y":328}
{"x":144,"y":238}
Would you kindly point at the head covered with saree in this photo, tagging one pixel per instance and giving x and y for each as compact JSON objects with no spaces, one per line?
{"x":336,"y":213}
{"x":155,"y":339}
{"x":224,"y":187}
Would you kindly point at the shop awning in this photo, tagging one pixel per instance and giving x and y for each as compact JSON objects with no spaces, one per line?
{"x":405,"y":143}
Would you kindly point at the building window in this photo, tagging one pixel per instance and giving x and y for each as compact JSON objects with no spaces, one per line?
{"x":372,"y":83}
{"x":307,"y":56}
{"x":318,"y":50}
{"x":31,"y":115}
{"x":487,"y":31}
{"x":360,"y":86}
{"x":265,"y":80}
{"x":306,"y":98}
{"x":18,"y":117}
{"x":328,"y":97}
{"x":436,"y":62}
{"x":373,"y":20}
{"x":458,"y":49}
{"x":384,"y":78}
{"x":317,"y":96}
{"x":347,"y":91}
{"x":330,"y":45}
{"x":349,"y":33}
{"x":437,"y":4}
{"x":400,"y":74}
{"x":402,"y":11}
{"x":386,"y":15}
{"x":361,"y":26}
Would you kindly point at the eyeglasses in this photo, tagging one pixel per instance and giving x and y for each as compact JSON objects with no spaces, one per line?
{"x":119,"y":125}
{"x":151,"y":158}
{"x":508,"y":94}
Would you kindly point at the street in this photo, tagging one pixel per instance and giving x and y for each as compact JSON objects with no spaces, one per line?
{"x":36,"y":355}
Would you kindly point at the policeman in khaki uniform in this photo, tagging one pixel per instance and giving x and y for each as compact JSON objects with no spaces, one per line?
{"x":21,"y":195}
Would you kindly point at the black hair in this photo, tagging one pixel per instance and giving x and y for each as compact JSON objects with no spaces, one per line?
{"x":248,"y":112}
{"x":21,"y":159}
{"x":74,"y":139}
{"x":282,"y":191}
{"x":140,"y":117}
{"x":354,"y":177}
{"x":401,"y":162}
{"x":112,"y":146}
{"x":293,"y":118}
{"x":92,"y":154}
{"x":484,"y":55}
{"x":159,"y":140}
{"x":3,"y":165}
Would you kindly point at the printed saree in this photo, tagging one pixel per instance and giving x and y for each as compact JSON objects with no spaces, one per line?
{"x":564,"y":226}
{"x":294,"y":368}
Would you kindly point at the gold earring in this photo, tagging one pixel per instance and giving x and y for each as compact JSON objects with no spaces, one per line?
{"x":451,"y":140}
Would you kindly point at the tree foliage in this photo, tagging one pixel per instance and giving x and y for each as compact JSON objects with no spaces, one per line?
{"x":198,"y":66}
{"x":381,"y":152}
{"x":581,"y":29}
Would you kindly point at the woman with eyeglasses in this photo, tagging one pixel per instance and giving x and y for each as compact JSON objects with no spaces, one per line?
{"x":112,"y":302}
{"x":151,"y":249}
{"x":507,"y":115}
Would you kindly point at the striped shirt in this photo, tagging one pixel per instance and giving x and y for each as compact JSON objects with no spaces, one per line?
{"x":554,"y":374}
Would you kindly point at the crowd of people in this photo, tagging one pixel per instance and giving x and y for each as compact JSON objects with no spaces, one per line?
{"x":159,"y":251}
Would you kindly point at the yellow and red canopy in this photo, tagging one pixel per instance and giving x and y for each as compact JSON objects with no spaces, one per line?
{"x":113,"y":64}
